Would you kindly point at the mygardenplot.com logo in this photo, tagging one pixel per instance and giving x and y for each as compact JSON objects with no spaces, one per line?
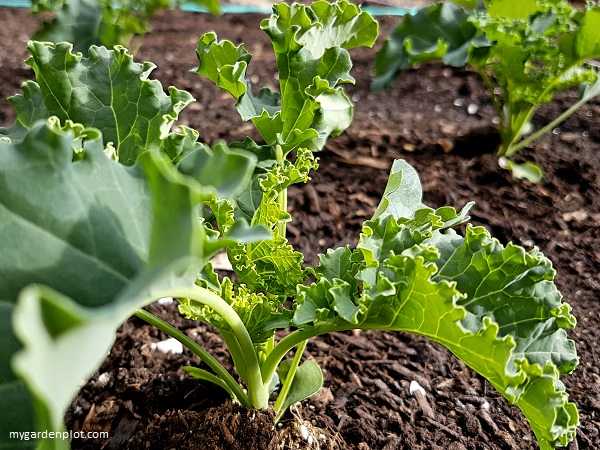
{"x":65,"y":435}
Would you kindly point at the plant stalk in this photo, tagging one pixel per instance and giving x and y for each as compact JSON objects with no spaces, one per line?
{"x":193,"y":346}
{"x":557,"y":121}
{"x":290,"y":341}
{"x":258,"y":392}
{"x":285,"y":389}
{"x":282,"y":199}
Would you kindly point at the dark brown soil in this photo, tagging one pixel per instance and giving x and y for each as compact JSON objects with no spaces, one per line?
{"x":144,"y":399}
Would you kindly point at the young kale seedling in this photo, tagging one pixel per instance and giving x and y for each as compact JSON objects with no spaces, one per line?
{"x":311,"y":47}
{"x":525,"y":51}
{"x":126,"y":226}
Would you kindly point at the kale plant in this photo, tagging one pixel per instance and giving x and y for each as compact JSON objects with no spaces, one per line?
{"x":526,"y":51}
{"x":103,"y":22}
{"x":103,"y":210}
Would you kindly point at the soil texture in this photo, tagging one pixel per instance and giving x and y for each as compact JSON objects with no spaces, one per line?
{"x":441,"y":121}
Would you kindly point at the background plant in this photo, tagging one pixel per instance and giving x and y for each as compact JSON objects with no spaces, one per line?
{"x":128,"y":225}
{"x":525,"y":51}
{"x":103,"y":22}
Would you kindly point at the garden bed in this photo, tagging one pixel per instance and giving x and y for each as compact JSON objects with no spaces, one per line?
{"x":439,"y":120}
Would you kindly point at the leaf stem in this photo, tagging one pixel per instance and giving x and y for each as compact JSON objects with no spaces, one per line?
{"x":285,"y":389}
{"x":282,"y":198}
{"x":532,"y":137}
{"x":269,"y":366}
{"x":515,"y":131}
{"x":237,"y":355}
{"x":495,"y":97}
{"x":258,"y":392}
{"x":193,"y":346}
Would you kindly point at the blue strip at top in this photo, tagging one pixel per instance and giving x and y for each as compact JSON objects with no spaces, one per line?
{"x":244,"y":9}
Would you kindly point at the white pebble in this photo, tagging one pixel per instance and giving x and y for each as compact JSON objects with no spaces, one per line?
{"x":472,"y":108}
{"x":171,"y":345}
{"x":486,"y":406}
{"x":416,"y":387}
{"x":165,"y":300}
{"x":103,"y":379}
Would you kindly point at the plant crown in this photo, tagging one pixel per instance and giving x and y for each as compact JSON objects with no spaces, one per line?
{"x":103,"y":211}
{"x":526,"y":52}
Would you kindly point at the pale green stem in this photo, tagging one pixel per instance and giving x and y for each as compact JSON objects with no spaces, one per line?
{"x":269,"y":366}
{"x":511,"y":149}
{"x":529,"y":139}
{"x":507,"y":136}
{"x":524,"y":117}
{"x":193,"y":346}
{"x":285,"y":389}
{"x":258,"y":392}
{"x":282,"y":199}
{"x":495,"y":97}
{"x":237,"y":355}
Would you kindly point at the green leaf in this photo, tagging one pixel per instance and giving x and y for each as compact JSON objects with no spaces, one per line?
{"x":403,"y":193}
{"x":439,"y":31}
{"x":14,"y":397}
{"x":521,"y":10}
{"x":38,"y":172}
{"x":336,"y":263}
{"x":584,"y":43}
{"x":590,"y":91}
{"x":270,"y":265}
{"x":227,"y":170}
{"x":77,"y":22}
{"x":107,"y":91}
{"x":30,"y":108}
{"x":334,"y":292}
{"x":403,"y":196}
{"x":515,"y":288}
{"x":528,"y":170}
{"x":223,"y":63}
{"x":38,"y":6}
{"x":494,"y":307}
{"x":499,"y":309}
{"x":308,"y":379}
{"x":311,"y":46}
{"x":319,"y":27}
{"x":115,"y":238}
{"x":103,"y":22}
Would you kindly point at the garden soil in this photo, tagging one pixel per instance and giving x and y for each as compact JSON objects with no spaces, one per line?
{"x":441,"y":121}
